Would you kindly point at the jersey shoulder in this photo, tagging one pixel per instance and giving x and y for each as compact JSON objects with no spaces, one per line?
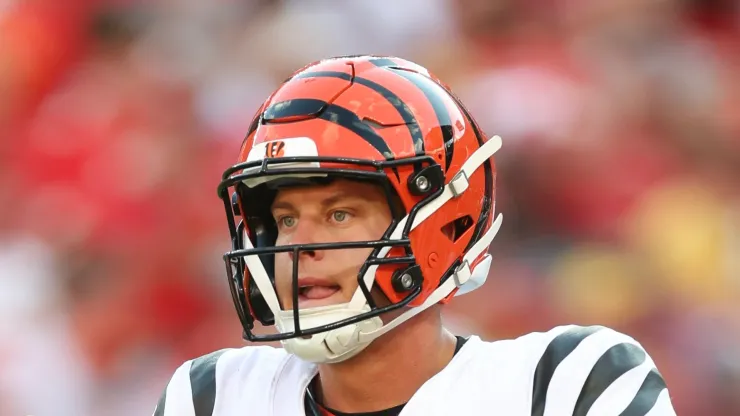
{"x":192,"y":387}
{"x":593,"y":370}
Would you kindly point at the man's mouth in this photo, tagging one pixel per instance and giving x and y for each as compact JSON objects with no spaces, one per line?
{"x":316,"y":292}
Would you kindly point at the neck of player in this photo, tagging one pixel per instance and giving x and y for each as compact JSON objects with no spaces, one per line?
{"x":391,"y":369}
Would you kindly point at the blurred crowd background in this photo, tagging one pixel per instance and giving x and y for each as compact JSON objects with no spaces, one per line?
{"x":619,"y":179}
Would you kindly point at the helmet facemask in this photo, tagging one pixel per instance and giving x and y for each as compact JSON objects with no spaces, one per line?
{"x":250,"y":264}
{"x":336,"y":332}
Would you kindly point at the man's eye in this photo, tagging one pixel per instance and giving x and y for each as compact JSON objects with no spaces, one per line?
{"x":340,"y":216}
{"x":287,"y":221}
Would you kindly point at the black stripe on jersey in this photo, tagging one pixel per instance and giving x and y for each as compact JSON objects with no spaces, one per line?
{"x":329,"y":112}
{"x":159,"y":410}
{"x":559,"y":348}
{"x":203,"y":382}
{"x":616,"y":361}
{"x":403,"y":110}
{"x":647,"y":395}
{"x":431,"y":91}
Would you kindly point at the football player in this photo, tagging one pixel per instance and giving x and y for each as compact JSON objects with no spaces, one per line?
{"x":362,"y":201}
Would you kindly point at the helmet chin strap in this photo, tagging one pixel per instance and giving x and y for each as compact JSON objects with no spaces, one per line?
{"x":331,"y":346}
{"x":343,"y":343}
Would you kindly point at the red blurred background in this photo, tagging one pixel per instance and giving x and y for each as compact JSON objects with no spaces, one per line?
{"x":619,"y":178}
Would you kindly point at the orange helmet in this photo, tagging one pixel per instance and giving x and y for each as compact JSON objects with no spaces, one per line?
{"x":382,"y":119}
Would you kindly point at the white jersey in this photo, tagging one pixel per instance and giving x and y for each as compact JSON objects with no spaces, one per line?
{"x":570,"y":370}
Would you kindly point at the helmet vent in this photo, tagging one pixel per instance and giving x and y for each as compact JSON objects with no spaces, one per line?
{"x":456,"y":228}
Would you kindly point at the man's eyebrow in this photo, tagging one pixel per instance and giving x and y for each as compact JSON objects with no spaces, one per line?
{"x":282,"y":205}
{"x":338,"y":197}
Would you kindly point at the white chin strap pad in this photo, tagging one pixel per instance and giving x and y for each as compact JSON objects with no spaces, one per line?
{"x":330,"y":346}
{"x":343,"y":343}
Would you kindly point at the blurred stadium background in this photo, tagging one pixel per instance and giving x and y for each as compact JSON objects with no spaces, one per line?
{"x":619,"y":178}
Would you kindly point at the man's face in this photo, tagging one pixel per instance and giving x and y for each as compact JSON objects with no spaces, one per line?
{"x":340,"y":212}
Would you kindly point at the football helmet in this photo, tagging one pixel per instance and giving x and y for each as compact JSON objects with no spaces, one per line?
{"x":367,"y":118}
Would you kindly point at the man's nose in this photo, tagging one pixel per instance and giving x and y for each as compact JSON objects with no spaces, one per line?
{"x":306,"y":233}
